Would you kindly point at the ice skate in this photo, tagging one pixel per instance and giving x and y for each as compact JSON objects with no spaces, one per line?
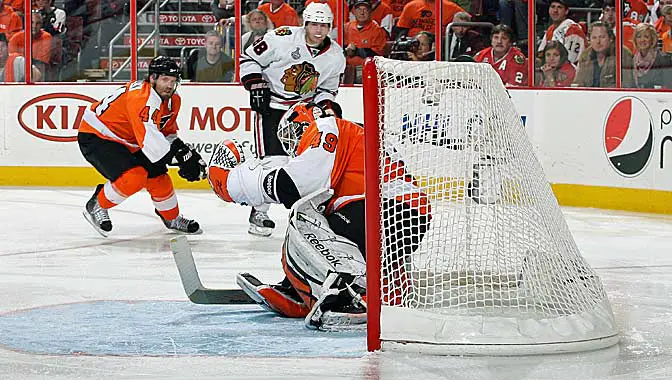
{"x":181,"y":224}
{"x":260,"y":223}
{"x":96,"y":215}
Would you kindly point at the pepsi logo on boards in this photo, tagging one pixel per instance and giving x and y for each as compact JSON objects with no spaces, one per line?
{"x":628,"y":136}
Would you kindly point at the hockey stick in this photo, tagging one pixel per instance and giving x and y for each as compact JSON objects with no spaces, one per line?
{"x":191,"y":281}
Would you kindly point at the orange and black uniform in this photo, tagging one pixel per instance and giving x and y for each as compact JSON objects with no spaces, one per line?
{"x":127,"y":137}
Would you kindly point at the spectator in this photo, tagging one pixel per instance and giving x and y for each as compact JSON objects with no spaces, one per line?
{"x":257,"y":24}
{"x":42,"y":43}
{"x":280,"y":13}
{"x":214,"y":65}
{"x":418,"y":15}
{"x":635,"y":10}
{"x":363,"y":37}
{"x":10,"y":22}
{"x":54,"y":18}
{"x":565,"y":30}
{"x":508,"y":61}
{"x":514,"y":13}
{"x":597,"y":65}
{"x":666,"y":22}
{"x":13,"y":66}
{"x":425,"y":50}
{"x":656,"y":14}
{"x":651,"y":67}
{"x":397,"y":6}
{"x":17,"y":6}
{"x":380,"y":13}
{"x":556,"y":70}
{"x":223,"y":10}
{"x":465,"y":40}
{"x":609,"y":18}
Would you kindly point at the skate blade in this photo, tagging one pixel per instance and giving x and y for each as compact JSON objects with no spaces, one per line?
{"x":178,"y":232}
{"x":93,"y":224}
{"x":335,"y":322}
{"x":259,"y":231}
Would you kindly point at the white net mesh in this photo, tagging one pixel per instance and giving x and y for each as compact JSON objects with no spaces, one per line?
{"x":497,"y":249}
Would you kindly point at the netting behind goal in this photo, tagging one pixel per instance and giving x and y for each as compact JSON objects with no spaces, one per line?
{"x":496,"y":269}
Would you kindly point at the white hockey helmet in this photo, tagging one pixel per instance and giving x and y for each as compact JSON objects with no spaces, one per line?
{"x":318,"y":12}
{"x":292,"y":124}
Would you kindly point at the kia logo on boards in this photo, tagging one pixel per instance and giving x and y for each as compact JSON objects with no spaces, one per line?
{"x":55,"y":116}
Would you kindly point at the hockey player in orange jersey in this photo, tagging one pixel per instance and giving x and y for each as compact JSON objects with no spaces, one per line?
{"x":130,"y":137}
{"x":323,"y":256}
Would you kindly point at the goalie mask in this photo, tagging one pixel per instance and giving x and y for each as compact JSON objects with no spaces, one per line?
{"x":297,"y":118}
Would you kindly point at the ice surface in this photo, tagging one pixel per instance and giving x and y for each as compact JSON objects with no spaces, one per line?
{"x":53,"y":263}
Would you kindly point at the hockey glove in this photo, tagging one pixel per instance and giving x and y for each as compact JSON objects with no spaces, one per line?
{"x":260,"y":93}
{"x":192,"y":167}
{"x":331,"y":108}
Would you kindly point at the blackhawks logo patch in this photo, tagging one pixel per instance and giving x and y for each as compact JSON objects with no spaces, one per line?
{"x":518,"y":59}
{"x":300,"y":78}
{"x":283,"y":31}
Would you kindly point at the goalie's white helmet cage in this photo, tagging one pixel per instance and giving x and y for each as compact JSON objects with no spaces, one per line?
{"x":497,"y":272}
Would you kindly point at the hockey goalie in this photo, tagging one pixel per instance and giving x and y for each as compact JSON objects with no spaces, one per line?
{"x":323,"y":255}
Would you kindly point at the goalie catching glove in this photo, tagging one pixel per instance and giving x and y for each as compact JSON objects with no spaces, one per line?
{"x":191,"y":165}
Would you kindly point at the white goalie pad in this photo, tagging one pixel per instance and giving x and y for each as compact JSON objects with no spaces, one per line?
{"x":332,"y":265}
{"x":314,"y":250}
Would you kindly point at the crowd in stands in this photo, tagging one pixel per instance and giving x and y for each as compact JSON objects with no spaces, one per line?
{"x":574,"y":47}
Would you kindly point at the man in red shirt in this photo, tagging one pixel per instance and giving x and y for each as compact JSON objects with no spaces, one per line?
{"x":418,"y":15}
{"x":280,"y":13}
{"x":509,"y":62}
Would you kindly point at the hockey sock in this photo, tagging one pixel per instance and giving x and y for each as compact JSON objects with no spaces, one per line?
{"x":129,"y":183}
{"x":163,"y":195}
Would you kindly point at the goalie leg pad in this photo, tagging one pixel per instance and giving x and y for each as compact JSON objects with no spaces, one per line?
{"x":274,"y":298}
{"x":328,"y":270}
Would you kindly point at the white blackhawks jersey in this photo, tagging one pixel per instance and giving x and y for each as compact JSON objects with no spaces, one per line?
{"x":293,"y":72}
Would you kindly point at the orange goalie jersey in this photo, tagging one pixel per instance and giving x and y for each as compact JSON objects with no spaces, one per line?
{"x":331,"y":154}
{"x":136,"y":116}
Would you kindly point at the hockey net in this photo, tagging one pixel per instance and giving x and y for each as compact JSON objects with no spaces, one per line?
{"x":497,"y":270}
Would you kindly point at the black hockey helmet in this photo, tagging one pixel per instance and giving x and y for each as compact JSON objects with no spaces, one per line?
{"x":162,"y":65}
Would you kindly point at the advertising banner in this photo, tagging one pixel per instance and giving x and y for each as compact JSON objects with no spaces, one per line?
{"x":594,"y":138}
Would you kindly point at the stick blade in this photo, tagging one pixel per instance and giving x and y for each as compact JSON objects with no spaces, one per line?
{"x":191,"y":281}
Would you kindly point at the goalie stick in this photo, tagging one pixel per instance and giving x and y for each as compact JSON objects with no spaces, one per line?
{"x":191,"y":281}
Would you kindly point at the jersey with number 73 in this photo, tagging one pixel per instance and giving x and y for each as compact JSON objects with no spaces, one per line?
{"x":136,"y":116}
